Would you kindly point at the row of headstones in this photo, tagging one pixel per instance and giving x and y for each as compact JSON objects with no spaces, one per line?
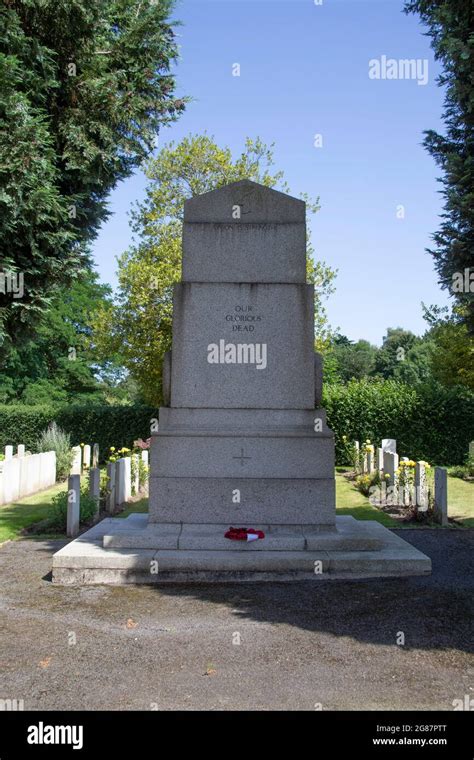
{"x":9,"y":452}
{"x":85,"y":457}
{"x":23,"y":474}
{"x":119,"y":488}
{"x":386,"y":461}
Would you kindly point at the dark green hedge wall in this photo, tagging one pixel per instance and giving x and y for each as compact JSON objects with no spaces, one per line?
{"x":430,"y":423}
{"x":106,"y":425}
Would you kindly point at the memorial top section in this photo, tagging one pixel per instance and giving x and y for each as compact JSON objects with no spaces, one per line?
{"x":244,"y":232}
{"x":258,"y":205}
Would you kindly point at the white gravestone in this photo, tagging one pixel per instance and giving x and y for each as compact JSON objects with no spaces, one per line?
{"x":421,"y":487}
{"x":77,"y":460}
{"x":379,"y":459}
{"x":86,"y":457}
{"x":123,"y":480}
{"x":390,"y":467}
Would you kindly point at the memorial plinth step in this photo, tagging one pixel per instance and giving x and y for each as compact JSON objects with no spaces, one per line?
{"x":325,"y":556}
{"x":205,"y":537}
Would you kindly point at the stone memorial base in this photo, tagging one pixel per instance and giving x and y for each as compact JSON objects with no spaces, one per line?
{"x":280,"y":467}
{"x":132,"y":550}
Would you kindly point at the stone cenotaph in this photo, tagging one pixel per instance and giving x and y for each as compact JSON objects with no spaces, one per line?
{"x":242,"y":439}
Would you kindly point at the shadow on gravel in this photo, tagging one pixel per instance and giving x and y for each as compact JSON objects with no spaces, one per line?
{"x":434,"y":612}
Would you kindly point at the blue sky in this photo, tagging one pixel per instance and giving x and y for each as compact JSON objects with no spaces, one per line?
{"x":304,"y":70}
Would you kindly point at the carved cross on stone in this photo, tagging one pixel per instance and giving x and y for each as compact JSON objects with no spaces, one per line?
{"x":241,"y":457}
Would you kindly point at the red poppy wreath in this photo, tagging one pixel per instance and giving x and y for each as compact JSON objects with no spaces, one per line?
{"x":244,"y":534}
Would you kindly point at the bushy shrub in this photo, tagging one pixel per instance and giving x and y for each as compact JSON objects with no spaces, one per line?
{"x":364,"y":483}
{"x":143,"y":473}
{"x":464,"y":471}
{"x":55,"y":439}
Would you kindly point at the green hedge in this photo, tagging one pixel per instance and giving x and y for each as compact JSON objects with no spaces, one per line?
{"x":106,"y":425}
{"x":433,"y":423}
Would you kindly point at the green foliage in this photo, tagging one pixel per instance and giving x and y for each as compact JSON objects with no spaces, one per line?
{"x":139,"y":325}
{"x":85,"y":88}
{"x":350,"y":454}
{"x":55,"y":439}
{"x":59,"y":502}
{"x":61,"y":364}
{"x":430,"y":422}
{"x":116,"y":453}
{"x":402,"y":356}
{"x":452,"y":355}
{"x":450,"y":24}
{"x":143,"y":473}
{"x":106,"y":425}
{"x":353,"y":360}
{"x":464,"y":471}
{"x":395,"y":347}
{"x":417,"y":365}
{"x":365,"y":482}
{"x":24,"y":424}
{"x":444,"y":354}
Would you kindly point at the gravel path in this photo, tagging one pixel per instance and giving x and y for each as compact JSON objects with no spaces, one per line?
{"x":304,"y":644}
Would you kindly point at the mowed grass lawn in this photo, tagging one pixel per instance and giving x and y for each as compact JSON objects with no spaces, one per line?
{"x":32,"y":509}
{"x":461,"y":501}
{"x":349,"y":501}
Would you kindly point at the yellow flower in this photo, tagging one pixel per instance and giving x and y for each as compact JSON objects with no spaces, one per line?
{"x":112,"y":448}
{"x":82,"y":444}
